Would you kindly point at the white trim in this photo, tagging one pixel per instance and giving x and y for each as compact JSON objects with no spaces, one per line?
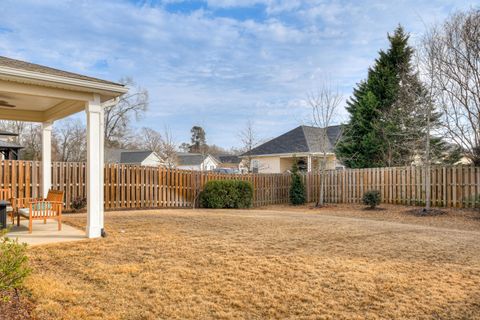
{"x":90,"y":84}
{"x":95,"y":167}
{"x":46,"y":157}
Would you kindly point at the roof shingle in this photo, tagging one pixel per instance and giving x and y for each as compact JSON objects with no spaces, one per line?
{"x":303,"y":139}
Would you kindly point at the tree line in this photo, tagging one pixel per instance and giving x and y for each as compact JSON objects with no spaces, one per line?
{"x":418,"y":105}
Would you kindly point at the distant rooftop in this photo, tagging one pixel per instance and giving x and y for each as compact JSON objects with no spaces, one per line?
{"x":7,"y":133}
{"x":190,"y":159}
{"x":27,"y":66}
{"x":303,"y":139}
{"x":126,"y":156}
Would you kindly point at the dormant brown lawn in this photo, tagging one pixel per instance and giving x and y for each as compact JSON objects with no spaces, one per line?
{"x":333,"y":263}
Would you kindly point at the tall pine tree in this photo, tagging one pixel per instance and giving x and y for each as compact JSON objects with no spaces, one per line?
{"x":387,"y":111}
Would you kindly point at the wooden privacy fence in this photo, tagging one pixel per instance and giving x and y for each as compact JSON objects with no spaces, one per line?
{"x":450,"y":186}
{"x":128,"y":186}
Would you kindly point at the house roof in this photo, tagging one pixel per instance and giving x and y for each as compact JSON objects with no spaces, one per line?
{"x":32,"y":67}
{"x":228,"y":158}
{"x":303,"y":139}
{"x":126,"y":156}
{"x":191,"y":159}
{"x":9,"y":145}
{"x":7,"y":133}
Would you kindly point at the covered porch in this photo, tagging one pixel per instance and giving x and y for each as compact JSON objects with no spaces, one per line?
{"x":35,"y":93}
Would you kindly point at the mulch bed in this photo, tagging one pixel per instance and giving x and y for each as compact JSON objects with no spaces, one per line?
{"x":14,"y":306}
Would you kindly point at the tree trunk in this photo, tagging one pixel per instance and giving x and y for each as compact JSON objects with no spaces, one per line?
{"x":321,"y":201}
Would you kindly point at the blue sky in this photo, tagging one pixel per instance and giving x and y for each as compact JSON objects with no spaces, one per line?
{"x":216,"y":63}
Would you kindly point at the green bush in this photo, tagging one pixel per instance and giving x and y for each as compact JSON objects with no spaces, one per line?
{"x":227,"y":194}
{"x":13,"y":263}
{"x":372,"y":198}
{"x":297,"y":189}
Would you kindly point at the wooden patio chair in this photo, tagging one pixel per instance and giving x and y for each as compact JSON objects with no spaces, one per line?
{"x":41,"y":209}
{"x":6,"y":195}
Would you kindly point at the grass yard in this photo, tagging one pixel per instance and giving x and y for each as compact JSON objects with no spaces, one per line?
{"x":279,"y":262}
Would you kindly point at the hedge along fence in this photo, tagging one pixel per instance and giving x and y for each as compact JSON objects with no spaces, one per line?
{"x":128,"y":186}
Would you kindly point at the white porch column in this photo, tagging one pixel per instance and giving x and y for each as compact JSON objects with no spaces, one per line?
{"x":46,"y":157}
{"x":94,"y":167}
{"x":309,"y":164}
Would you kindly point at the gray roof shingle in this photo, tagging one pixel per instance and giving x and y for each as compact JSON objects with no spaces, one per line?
{"x":11,"y":145}
{"x":228,"y":158}
{"x":190,"y":159}
{"x":8,"y":133}
{"x":303,"y":139}
{"x":27,"y":66}
{"x":126,"y":156}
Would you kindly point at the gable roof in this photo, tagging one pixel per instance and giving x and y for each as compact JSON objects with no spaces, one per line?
{"x":32,"y":67}
{"x":302,"y":139}
{"x":127,"y":156}
{"x":7,"y":133}
{"x":228,"y":158}
{"x":10,"y":145}
{"x":192,"y":159}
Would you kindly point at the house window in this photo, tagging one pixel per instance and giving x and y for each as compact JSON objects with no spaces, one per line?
{"x":255,"y":165}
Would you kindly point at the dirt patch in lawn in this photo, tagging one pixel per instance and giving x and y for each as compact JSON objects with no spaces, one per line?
{"x":14,"y":306}
{"x":254,"y":264}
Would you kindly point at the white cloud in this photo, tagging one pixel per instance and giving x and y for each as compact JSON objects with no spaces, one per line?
{"x":203,"y":68}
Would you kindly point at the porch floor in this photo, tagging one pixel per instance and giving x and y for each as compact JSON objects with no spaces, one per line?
{"x":45,"y":233}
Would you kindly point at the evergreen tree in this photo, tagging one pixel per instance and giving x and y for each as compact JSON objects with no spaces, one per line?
{"x":387,"y":111}
{"x":198,"y":140}
{"x":297,"y":189}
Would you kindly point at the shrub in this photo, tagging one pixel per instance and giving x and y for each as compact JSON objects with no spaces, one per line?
{"x":13,"y":263}
{"x":79,"y":203}
{"x":227,"y":194}
{"x":297,"y":189}
{"x":372,"y":198}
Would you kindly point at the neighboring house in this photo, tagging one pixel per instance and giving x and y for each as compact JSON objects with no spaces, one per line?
{"x":302,"y":144}
{"x":229,"y":161}
{"x":196,"y":161}
{"x":8,"y":150}
{"x":137,"y":157}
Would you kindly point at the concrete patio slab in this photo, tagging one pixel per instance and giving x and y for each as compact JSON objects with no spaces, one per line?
{"x":45,"y":233}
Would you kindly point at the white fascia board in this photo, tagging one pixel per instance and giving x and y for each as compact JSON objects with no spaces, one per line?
{"x":43,"y":77}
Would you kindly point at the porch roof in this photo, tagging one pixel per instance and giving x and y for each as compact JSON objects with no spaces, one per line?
{"x":31,"y":92}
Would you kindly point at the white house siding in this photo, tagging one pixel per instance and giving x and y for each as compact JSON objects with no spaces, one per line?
{"x":208,"y":164}
{"x":277,"y":164}
{"x":152,"y":161}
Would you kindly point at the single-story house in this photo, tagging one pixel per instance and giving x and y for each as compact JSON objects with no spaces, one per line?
{"x":196,"y":161}
{"x":137,"y":157}
{"x":9,"y":150}
{"x":228,"y":161}
{"x":302,"y":144}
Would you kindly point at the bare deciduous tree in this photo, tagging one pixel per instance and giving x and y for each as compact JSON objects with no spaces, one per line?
{"x":324,"y":104}
{"x":29,"y":137}
{"x":249,"y":139}
{"x":163,"y":145}
{"x":454,"y":53}
{"x":69,"y":141}
{"x":119,"y":113}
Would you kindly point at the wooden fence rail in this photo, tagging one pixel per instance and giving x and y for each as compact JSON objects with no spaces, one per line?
{"x":128,"y":186}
